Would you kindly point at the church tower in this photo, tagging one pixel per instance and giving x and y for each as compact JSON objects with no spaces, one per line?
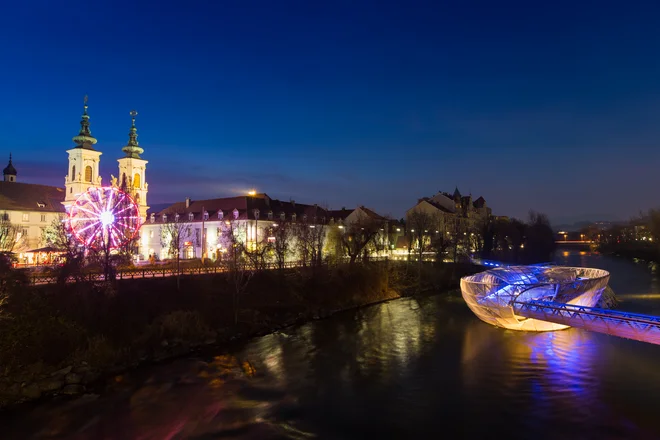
{"x":84,"y":163}
{"x":132,"y":170}
{"x":9,"y":173}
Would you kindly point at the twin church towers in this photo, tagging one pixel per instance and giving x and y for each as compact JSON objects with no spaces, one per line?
{"x":84,"y":163}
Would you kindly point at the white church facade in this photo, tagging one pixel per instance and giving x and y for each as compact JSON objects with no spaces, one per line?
{"x":33,"y":207}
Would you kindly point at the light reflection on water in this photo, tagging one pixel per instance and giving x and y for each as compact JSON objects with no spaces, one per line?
{"x":408,"y":368}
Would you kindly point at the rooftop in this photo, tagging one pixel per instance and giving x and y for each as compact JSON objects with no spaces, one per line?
{"x":15,"y":196}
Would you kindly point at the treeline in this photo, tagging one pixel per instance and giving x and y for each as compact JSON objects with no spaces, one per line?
{"x":637,"y":238}
{"x":502,"y":239}
{"x":515,"y":241}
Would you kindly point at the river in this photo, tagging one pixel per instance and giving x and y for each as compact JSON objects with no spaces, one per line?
{"x":408,"y":368}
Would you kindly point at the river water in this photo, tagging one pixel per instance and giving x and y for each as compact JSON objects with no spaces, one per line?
{"x":408,"y":368}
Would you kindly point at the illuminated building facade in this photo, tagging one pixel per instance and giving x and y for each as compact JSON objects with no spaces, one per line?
{"x":33,"y":207}
{"x":254,"y":219}
{"x":29,"y":207}
{"x":204,"y":224}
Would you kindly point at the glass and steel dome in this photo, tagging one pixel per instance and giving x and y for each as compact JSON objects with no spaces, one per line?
{"x":492,"y":295}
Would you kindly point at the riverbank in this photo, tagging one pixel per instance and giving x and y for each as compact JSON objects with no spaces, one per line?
{"x":646,"y":251}
{"x":61,"y":339}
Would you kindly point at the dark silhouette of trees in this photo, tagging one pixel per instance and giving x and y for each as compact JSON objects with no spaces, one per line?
{"x":514,"y":241}
{"x":357,"y":235}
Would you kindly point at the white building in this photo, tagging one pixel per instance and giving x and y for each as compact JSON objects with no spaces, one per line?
{"x":256,"y":215}
{"x":29,"y":207}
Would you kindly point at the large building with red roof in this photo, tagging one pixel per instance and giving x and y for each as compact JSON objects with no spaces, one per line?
{"x":205,"y":222}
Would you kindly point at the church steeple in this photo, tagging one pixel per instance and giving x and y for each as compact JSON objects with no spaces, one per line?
{"x":9,"y":173}
{"x":132,"y":149}
{"x":85,"y":139}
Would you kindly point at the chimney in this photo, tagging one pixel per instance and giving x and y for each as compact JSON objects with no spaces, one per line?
{"x":293,"y":202}
{"x":187,"y":202}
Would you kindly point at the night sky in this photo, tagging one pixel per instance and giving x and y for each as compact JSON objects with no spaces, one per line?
{"x":343,"y":103}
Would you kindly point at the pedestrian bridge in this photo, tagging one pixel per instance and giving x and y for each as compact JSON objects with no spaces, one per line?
{"x":546,"y":298}
{"x":635,"y":326}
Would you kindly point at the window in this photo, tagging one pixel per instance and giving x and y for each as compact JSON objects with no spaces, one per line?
{"x":43,"y":217}
{"x":24,"y":232}
{"x":293,"y":217}
{"x":136,"y":180}
{"x":4,"y":216}
{"x":123,"y":180}
{"x":304,"y":217}
{"x":282,"y":216}
{"x":191,"y":216}
{"x":176,"y":217}
{"x":26,"y":217}
{"x":152,"y":218}
{"x":256,"y":214}
{"x":270,"y":215}
{"x":41,"y":205}
{"x":164,"y":217}
{"x":73,"y":172}
{"x":220,"y":214}
{"x":235,"y":213}
{"x":88,"y":173}
{"x":151,"y":233}
{"x":206,"y":215}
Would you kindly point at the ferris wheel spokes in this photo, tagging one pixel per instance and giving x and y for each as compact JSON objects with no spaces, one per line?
{"x":105,"y":217}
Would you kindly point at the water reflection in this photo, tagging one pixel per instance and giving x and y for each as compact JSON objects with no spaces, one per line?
{"x":424,"y":368}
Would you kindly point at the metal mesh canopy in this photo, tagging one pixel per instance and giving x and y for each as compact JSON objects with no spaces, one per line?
{"x":492,"y":294}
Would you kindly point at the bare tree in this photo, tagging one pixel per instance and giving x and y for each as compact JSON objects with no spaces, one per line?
{"x":175,"y":233}
{"x":421,"y":227}
{"x":236,"y":262}
{"x":303,"y":243}
{"x":358,"y":235}
{"x":334,"y":247}
{"x":257,"y":250}
{"x":58,"y":235}
{"x":316,"y":238}
{"x":10,"y":234}
{"x":381,"y":241}
{"x":283,"y":235}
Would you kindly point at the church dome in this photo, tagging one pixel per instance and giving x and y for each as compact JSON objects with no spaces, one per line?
{"x":9,"y":169}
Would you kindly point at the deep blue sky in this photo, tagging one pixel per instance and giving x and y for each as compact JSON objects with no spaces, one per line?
{"x":552,"y":106}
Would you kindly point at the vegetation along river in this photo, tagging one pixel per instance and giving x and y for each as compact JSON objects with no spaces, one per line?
{"x":407,"y":368}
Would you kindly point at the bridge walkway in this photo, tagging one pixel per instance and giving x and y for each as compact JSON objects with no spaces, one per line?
{"x":635,"y":326}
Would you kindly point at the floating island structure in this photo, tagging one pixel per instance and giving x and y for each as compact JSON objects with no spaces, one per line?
{"x":497,"y":295}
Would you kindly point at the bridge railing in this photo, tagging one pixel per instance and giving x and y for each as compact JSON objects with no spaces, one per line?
{"x":572,"y":310}
{"x":160,"y":272}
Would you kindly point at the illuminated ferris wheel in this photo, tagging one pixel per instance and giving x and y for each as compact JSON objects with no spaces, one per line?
{"x":104,"y":218}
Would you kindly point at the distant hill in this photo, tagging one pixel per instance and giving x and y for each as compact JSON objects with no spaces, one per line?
{"x":572,"y":227}
{"x":577,"y":226}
